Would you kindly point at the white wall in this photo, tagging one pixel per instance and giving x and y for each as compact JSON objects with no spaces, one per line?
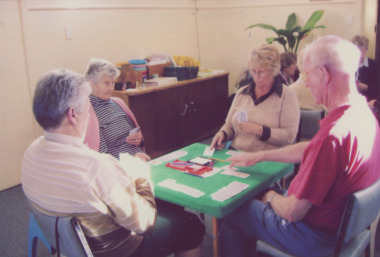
{"x":32,"y":41}
{"x":230,"y":18}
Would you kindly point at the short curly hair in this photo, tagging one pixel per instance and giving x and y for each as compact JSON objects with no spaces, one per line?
{"x":265,"y":55}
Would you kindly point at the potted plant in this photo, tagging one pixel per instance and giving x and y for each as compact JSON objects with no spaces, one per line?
{"x":291,"y":36}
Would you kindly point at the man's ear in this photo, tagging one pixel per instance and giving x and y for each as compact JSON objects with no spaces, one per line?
{"x":71,"y":115}
{"x":325,"y":74}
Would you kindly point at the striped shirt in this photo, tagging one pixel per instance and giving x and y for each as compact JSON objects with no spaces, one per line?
{"x":61,"y":176}
{"x":114,"y":127}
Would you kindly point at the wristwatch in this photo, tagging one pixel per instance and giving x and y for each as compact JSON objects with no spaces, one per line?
{"x":270,"y":200}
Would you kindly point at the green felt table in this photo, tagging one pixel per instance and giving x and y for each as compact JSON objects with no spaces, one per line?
{"x":261,"y":176}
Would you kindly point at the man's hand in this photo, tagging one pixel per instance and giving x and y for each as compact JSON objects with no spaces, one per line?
{"x":245,"y":159}
{"x":143,"y":156}
{"x":268,"y":195}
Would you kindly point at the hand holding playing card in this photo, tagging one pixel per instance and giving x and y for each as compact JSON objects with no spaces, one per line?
{"x":134,"y":138}
{"x":250,"y":128}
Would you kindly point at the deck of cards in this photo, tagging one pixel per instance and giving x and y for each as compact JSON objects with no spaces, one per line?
{"x":134,"y":131}
{"x":242,"y":116}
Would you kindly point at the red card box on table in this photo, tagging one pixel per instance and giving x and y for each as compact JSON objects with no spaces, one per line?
{"x":190,"y":168}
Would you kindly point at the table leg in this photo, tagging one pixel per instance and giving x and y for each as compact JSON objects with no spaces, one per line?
{"x":215,"y":238}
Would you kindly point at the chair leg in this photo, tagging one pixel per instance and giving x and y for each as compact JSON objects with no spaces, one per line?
{"x":373,"y":235}
{"x":34,"y":234}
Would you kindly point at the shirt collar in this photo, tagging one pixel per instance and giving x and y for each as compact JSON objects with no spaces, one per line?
{"x":276,"y":88}
{"x":365,"y":63}
{"x":95,"y":101}
{"x":64,"y":139}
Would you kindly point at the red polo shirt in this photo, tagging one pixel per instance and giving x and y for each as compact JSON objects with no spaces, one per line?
{"x":342,"y":158}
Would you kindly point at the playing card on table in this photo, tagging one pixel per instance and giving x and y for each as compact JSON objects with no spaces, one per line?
{"x":229,"y":191}
{"x":208,"y":151}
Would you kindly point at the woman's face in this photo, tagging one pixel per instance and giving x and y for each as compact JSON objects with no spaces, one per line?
{"x":262,"y":75}
{"x":103,"y":89}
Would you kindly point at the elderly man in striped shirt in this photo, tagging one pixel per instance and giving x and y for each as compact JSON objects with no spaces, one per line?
{"x":114,"y":202}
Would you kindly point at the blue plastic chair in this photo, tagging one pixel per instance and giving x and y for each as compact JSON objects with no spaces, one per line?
{"x":63,"y":235}
{"x":34,"y":235}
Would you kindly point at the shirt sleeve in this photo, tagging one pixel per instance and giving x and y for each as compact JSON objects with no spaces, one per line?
{"x":318,"y":171}
{"x":228,"y":127}
{"x":131,"y":201}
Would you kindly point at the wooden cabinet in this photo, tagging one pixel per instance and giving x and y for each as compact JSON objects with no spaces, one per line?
{"x":174,"y":116}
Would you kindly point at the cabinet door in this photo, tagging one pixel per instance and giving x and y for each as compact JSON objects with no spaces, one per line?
{"x":209,"y":106}
{"x":171,"y":114}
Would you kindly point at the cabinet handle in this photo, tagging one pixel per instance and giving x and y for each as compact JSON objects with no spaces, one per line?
{"x":185,"y":110}
{"x":192,"y":104}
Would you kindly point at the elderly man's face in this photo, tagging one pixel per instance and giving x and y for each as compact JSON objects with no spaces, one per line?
{"x":310,"y":75}
{"x":83,"y":117}
{"x":103,"y":89}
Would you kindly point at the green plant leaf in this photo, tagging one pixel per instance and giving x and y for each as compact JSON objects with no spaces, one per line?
{"x":281,"y":40}
{"x":285,"y":33}
{"x":270,"y":39}
{"x":291,"y":41}
{"x":314,"y":18}
{"x":291,"y":21}
{"x":264,"y":26}
{"x":296,"y":29}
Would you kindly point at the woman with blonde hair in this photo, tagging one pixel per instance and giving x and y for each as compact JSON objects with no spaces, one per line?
{"x":264,"y":114}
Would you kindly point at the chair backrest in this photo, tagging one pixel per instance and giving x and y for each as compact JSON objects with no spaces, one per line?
{"x":72,"y":241}
{"x":309,"y":123}
{"x":361,"y":210}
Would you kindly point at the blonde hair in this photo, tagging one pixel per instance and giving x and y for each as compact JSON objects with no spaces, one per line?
{"x":265,"y":55}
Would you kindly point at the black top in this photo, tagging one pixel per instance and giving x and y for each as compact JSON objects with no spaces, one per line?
{"x":369,"y":75}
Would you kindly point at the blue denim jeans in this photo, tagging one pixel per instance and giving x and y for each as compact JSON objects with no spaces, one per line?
{"x":255,"y":220}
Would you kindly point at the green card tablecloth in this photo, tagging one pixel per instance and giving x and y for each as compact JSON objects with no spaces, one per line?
{"x":261,"y":176}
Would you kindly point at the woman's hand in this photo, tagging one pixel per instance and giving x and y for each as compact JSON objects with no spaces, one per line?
{"x":251,"y":128}
{"x":217,"y":141}
{"x":134,"y":139}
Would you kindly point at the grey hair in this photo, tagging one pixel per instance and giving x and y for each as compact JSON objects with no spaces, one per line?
{"x":334,"y":52}
{"x":57,"y":91}
{"x":265,"y":54}
{"x":360,"y":41}
{"x":97,"y":68}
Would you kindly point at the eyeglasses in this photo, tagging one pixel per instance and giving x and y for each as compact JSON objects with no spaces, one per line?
{"x":304,"y":74}
{"x":259,"y":73}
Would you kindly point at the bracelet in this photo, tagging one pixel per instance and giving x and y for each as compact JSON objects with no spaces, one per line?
{"x":260,"y":132}
{"x":270,"y":200}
